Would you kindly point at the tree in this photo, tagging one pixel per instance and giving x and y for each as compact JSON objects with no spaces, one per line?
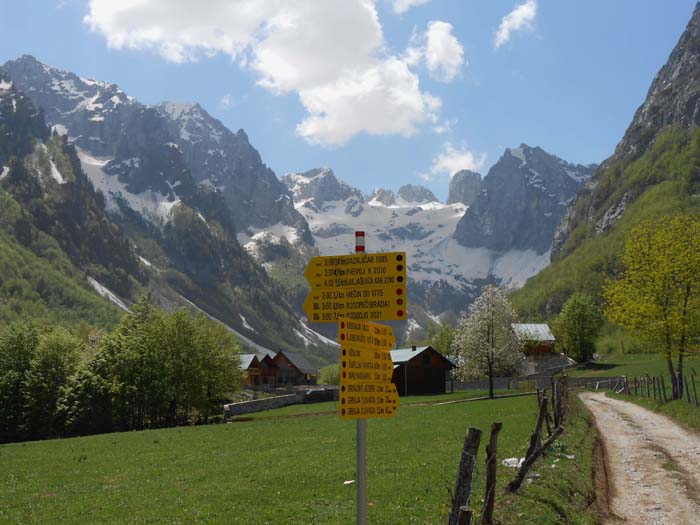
{"x":658,"y":292}
{"x":329,"y":375}
{"x":18,"y":345}
{"x":484,"y":341}
{"x":442,"y":341}
{"x":578,"y":326}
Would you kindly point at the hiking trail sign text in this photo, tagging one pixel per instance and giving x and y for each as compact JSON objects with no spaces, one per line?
{"x":363,"y":286}
{"x":366,"y":368}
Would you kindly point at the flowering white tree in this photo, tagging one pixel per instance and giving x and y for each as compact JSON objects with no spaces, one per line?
{"x":484,"y":342}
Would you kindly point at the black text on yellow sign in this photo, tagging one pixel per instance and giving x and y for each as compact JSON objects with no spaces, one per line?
{"x":356,"y":271}
{"x":365,"y":334}
{"x":374,"y":303}
{"x":365,"y":365}
{"x":368,"y":400}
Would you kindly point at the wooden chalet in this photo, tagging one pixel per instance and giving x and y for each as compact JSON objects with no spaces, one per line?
{"x":294,"y":369}
{"x":250,"y":364}
{"x":420,"y":370}
{"x":541,"y":357}
{"x":268,"y":369}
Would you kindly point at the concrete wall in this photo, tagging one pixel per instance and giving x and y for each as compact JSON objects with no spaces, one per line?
{"x":249,"y":407}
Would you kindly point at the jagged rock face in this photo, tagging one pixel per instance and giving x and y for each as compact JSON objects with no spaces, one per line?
{"x":416,"y":194}
{"x":522,"y":200}
{"x":672,"y":99}
{"x":321,"y":185}
{"x":94,"y":112}
{"x":227,"y":161}
{"x":674,"y":95}
{"x":465,"y":187}
{"x":382,"y":196}
{"x":20,"y":123}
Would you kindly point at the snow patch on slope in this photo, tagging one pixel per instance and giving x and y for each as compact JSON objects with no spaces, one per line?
{"x":3,"y":173}
{"x":107,"y":294}
{"x":151,"y":205}
{"x":55,"y":174}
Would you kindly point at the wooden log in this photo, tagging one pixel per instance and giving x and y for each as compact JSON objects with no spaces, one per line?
{"x":537,"y":433}
{"x":527,"y":464}
{"x":465,"y":473}
{"x":491,"y":464}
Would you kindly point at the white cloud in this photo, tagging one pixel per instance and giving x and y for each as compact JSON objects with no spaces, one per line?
{"x":439,"y":49}
{"x":451,"y":160}
{"x":331,"y":53}
{"x":401,"y":6}
{"x":226,"y":101}
{"x":522,"y":17}
{"x":445,"y":126}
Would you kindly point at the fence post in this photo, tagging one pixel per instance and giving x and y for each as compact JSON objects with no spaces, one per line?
{"x":491,"y":463}
{"x":695,"y":392}
{"x":687,"y":389}
{"x":663,"y":387}
{"x":646,"y":380}
{"x":465,"y":473}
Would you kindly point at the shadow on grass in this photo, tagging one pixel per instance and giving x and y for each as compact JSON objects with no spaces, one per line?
{"x":597,"y":366}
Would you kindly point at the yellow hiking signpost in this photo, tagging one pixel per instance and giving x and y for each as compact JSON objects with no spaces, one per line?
{"x":354,"y":290}
{"x":369,"y":287}
{"x":366,"y":390}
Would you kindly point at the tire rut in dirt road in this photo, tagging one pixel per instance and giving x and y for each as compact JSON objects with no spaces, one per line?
{"x":652,"y":463}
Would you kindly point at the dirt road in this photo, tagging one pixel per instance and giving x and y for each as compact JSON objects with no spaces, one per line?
{"x":652,"y":463}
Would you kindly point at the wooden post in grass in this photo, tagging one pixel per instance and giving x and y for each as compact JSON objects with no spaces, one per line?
{"x":525,"y":467}
{"x":687,"y":390}
{"x":537,"y":433}
{"x":695,"y":391}
{"x":465,"y":516}
{"x":636,"y":381}
{"x":465,"y":472}
{"x":663,"y":387}
{"x":491,"y":463}
{"x":653,"y":386}
{"x":646,"y":380}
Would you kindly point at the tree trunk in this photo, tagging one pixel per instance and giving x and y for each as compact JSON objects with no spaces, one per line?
{"x":490,"y":377}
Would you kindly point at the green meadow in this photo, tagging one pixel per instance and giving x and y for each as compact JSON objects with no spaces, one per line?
{"x":292,"y":466}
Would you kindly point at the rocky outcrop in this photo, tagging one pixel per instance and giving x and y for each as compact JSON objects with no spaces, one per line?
{"x":672,"y":100}
{"x":382,"y":196}
{"x":523,"y":198}
{"x":465,"y":187}
{"x":411,"y":193}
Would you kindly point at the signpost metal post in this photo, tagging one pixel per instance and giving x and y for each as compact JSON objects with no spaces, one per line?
{"x":361,"y":434}
{"x":353,"y":291}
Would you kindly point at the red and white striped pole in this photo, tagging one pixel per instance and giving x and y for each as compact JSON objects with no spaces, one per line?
{"x":359,"y":242}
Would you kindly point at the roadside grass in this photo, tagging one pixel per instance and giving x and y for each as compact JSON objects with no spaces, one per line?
{"x":293,"y":470}
{"x":630,"y":365}
{"x":681,"y":411}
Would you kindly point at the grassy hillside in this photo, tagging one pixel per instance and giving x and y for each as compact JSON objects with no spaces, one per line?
{"x":246,"y":473}
{"x":665,"y":180}
{"x":39,"y":282}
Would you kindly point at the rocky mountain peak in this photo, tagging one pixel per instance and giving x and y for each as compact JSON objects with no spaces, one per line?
{"x":465,"y":187}
{"x":383,"y":196}
{"x":674,"y":95}
{"x":321,"y":185}
{"x":416,"y":194}
{"x":521,"y":202}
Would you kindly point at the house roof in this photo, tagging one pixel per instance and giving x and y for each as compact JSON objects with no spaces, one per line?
{"x":533,"y":332}
{"x":263,"y":353}
{"x":403,"y":355}
{"x":247,"y":360}
{"x":300,"y":362}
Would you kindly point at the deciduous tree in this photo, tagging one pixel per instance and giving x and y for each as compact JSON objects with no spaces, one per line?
{"x":658,"y":293}
{"x":484,"y":342}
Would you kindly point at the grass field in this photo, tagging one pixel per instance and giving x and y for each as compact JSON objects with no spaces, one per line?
{"x":291,"y":467}
{"x":630,"y":365}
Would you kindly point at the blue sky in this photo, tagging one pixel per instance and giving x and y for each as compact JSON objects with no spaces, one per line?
{"x":567,"y":76}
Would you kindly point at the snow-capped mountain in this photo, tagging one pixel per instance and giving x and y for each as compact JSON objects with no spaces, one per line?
{"x":444,"y":275}
{"x":523,"y":199}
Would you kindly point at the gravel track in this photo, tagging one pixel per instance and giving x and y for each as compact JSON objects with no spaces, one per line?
{"x":652,"y":464}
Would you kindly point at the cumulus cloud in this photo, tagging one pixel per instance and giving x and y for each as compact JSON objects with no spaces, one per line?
{"x":442,"y":53}
{"x":453,"y":159}
{"x":331,"y":53}
{"x":522,"y":17}
{"x":401,"y":6}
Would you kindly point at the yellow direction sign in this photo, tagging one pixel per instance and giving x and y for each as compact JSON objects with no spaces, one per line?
{"x":357,"y":271}
{"x":365,"y":365}
{"x":364,"y":334}
{"x":381,"y":303}
{"x":368,"y":400}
